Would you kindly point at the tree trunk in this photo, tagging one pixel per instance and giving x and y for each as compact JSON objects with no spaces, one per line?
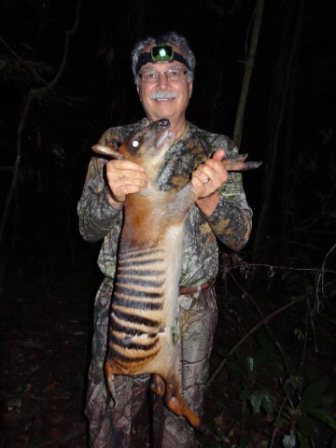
{"x":288,"y":48}
{"x":238,"y":128}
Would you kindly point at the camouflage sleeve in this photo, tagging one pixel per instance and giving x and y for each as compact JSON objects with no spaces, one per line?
{"x":96,"y":216}
{"x":231,"y":220}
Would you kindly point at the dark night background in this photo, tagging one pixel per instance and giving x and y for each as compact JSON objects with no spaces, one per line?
{"x":50,"y":116}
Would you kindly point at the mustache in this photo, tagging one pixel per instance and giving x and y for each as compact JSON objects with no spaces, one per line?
{"x":163,"y":95}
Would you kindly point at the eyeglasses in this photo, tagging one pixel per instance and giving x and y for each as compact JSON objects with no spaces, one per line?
{"x":153,"y":76}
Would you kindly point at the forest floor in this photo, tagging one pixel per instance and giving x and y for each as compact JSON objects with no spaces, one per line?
{"x":44,"y":341}
{"x":45,"y":333}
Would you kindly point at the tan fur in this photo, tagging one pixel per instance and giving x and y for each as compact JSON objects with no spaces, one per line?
{"x":151,"y":239}
{"x":144,"y":300}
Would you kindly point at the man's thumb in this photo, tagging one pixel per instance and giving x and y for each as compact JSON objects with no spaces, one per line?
{"x":218,"y":155}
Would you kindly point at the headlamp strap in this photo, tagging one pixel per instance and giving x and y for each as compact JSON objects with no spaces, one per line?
{"x":160,"y":53}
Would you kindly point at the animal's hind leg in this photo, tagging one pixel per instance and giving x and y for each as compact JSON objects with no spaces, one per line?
{"x":158,"y":386}
{"x":173,"y":398}
{"x":177,"y":404}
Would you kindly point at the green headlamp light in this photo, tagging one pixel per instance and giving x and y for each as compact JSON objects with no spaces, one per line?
{"x":160,"y":53}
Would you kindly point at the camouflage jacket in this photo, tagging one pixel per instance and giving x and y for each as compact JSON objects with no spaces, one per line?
{"x":230,"y":222}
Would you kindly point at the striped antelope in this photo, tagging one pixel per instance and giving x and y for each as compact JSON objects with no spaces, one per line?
{"x":146,"y":288}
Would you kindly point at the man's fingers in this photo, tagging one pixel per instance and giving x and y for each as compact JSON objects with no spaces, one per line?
{"x":124,"y":165}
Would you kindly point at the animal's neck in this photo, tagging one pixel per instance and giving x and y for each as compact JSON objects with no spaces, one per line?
{"x":144,"y":218}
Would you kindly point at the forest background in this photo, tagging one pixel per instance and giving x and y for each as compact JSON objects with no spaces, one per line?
{"x":266,"y":77}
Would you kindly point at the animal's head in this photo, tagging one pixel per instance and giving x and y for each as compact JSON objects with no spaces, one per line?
{"x":146,"y":146}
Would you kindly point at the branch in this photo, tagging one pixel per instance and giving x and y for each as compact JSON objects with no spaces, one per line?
{"x":6,"y":169}
{"x":264,"y":321}
{"x":16,"y":167}
{"x":320,"y":279}
{"x":23,"y":62}
{"x":288,"y":268}
{"x":32,"y":94}
{"x":273,"y":337}
{"x":68,"y":34}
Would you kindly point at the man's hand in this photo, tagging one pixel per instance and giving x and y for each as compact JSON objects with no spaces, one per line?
{"x":124,"y":177}
{"x":209,"y":176}
{"x":207,"y":179}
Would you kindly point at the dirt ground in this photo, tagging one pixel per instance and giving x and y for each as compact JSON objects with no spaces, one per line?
{"x":44,"y":342}
{"x":45,"y":333}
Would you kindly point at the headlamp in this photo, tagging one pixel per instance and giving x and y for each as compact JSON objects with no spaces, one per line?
{"x":160,"y":53}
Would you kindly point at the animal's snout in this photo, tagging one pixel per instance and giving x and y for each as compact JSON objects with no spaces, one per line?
{"x":164,"y":123}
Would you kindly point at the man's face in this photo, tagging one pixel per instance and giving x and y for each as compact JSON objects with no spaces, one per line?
{"x":163,"y":97}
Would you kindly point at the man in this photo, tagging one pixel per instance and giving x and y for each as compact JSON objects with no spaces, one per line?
{"x":163,"y":70}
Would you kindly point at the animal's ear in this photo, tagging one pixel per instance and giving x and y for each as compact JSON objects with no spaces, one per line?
{"x":107,"y":151}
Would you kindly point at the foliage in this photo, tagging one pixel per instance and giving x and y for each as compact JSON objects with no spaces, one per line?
{"x":283,"y":372}
{"x":274,"y":353}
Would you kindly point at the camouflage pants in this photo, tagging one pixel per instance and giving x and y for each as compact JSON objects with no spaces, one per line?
{"x":110,"y":426}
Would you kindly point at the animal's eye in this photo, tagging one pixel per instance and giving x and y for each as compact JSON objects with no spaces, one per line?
{"x":135,"y":143}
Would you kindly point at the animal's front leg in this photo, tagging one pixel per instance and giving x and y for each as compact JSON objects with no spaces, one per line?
{"x":111,"y":387}
{"x":182,"y":201}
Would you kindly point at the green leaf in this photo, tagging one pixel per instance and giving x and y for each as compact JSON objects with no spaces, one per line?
{"x":241,"y":356}
{"x":333,"y":442}
{"x":260,"y":399}
{"x":244,"y":441}
{"x":306,"y":425}
{"x":313,"y":394}
{"x":322,"y":414}
{"x":250,"y":364}
{"x":295,"y":381}
{"x":256,"y":399}
{"x":245,"y":394}
{"x":299,"y":334}
{"x":268,"y":403}
{"x":289,"y":441}
{"x":303,"y":441}
{"x":267,"y":345}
